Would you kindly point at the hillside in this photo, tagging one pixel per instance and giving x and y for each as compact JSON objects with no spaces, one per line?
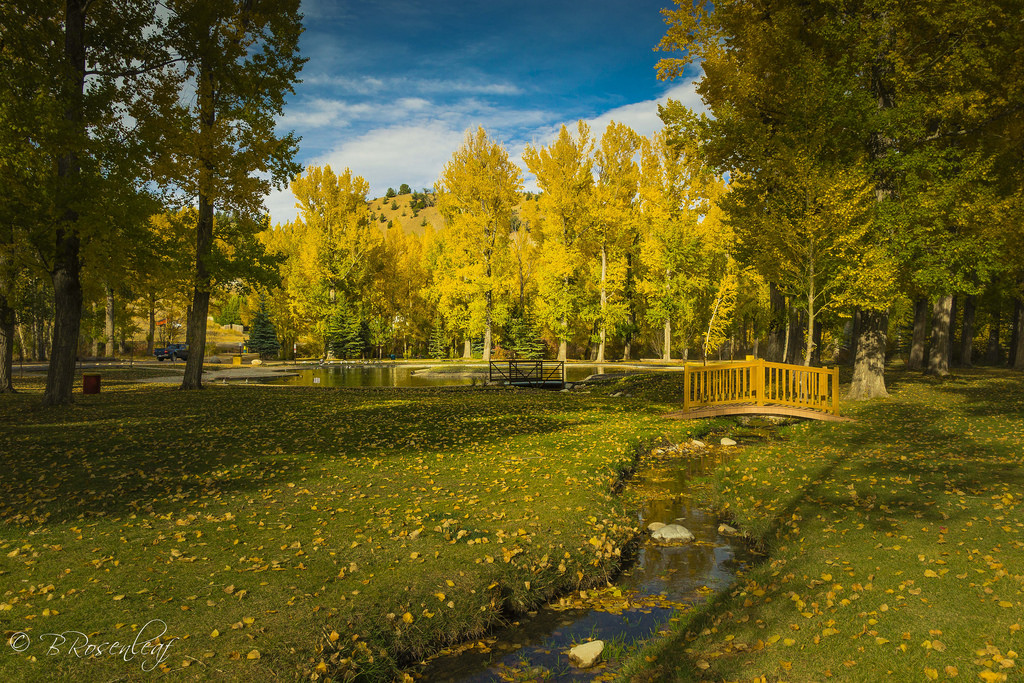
{"x":404,"y":215}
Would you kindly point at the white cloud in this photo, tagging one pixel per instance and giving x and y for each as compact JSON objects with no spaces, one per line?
{"x":411,"y":139}
{"x":640,"y":116}
{"x":369,"y":85}
{"x":386,"y":157}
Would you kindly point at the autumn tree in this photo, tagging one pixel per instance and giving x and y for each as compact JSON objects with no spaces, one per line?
{"x":337,"y":249}
{"x":477,"y":192}
{"x":684,"y":250}
{"x":563,"y":219}
{"x":72,"y":70}
{"x":616,"y":191}
{"x":239,"y":58}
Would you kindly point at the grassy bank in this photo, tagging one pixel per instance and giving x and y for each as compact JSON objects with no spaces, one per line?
{"x":895,"y":546}
{"x":283,"y":532}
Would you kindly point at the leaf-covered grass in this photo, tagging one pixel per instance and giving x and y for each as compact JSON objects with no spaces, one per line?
{"x":896,"y":546}
{"x":281,"y":532}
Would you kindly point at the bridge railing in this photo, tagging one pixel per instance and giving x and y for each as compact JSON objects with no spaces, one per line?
{"x":527,"y":372}
{"x":762,"y":383}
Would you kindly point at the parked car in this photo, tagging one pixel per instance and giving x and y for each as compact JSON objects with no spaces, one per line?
{"x":172,"y":351}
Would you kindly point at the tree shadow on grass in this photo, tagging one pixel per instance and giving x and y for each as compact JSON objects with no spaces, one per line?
{"x":162,"y":450}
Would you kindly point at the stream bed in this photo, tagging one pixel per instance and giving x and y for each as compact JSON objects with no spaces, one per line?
{"x":660,"y":581}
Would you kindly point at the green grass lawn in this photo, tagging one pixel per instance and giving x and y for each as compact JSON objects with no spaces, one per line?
{"x":895,"y":546}
{"x":285,"y":532}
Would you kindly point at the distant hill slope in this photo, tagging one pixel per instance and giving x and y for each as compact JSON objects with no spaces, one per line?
{"x":404,"y":216}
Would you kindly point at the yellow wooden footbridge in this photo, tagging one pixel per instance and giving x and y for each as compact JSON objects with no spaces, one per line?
{"x":759,"y":387}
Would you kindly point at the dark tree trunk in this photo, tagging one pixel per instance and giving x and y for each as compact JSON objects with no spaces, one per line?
{"x":954,"y":311}
{"x":108,"y":327}
{"x":993,"y":353}
{"x":96,"y":350}
{"x":627,"y":347}
{"x":816,"y":353}
{"x":1017,"y":351}
{"x":796,"y":336}
{"x":938,"y":353}
{"x":869,"y":366}
{"x":66,"y":269}
{"x":151,"y":334}
{"x":776,"y":324}
{"x":920,"y":334}
{"x":6,"y":346}
{"x":854,"y":337}
{"x":67,"y":299}
{"x":967,"y":332}
{"x":195,"y":333}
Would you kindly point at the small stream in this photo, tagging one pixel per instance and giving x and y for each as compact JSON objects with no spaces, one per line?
{"x":644,"y":598}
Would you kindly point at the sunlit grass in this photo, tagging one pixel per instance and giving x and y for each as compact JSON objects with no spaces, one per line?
{"x":895,"y":546}
{"x":284,"y":532}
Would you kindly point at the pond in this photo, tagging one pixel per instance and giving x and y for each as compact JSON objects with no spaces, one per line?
{"x":643,"y":600}
{"x":400,"y":375}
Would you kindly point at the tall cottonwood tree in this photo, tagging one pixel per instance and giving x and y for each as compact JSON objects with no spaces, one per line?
{"x":85,"y":64}
{"x":684,"y":248}
{"x":239,"y":59}
{"x":563,"y":216}
{"x":477,"y":193}
{"x":618,"y":179}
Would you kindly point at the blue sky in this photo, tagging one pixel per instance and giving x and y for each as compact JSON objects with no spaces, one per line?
{"x":391,"y":86}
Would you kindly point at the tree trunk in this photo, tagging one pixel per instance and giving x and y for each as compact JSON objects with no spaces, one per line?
{"x":992,"y":350}
{"x":96,"y":351}
{"x":67,"y":264}
{"x":796,"y":334}
{"x":954,"y":311}
{"x":562,"y":344}
{"x":967,"y":332}
{"x":195,"y":333}
{"x":6,"y":346}
{"x":1018,"y":328}
{"x":776,"y":329}
{"x":604,"y":305}
{"x":25,"y":351}
{"x":816,"y":354}
{"x":108,"y":328}
{"x":627,"y":348}
{"x":811,"y":346}
{"x":666,"y":352}
{"x":917,"y":343}
{"x":854,"y":336}
{"x":487,"y":330}
{"x":151,"y":334}
{"x":869,"y":366}
{"x":938,"y":354}
{"x":39,"y":338}
{"x":467,"y":347}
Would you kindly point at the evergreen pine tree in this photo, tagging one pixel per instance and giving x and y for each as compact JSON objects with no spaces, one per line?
{"x":438,"y":344}
{"x":524,"y":338}
{"x":262,"y":333}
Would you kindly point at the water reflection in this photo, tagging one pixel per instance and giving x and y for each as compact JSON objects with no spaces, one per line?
{"x":388,"y":375}
{"x":662,"y":579}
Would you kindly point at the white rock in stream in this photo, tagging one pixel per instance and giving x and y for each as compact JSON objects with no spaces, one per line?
{"x":697,"y":443}
{"x":673,"y":533}
{"x":726,"y":530}
{"x":654,"y":526}
{"x":726,"y":441}
{"x":586,"y":655}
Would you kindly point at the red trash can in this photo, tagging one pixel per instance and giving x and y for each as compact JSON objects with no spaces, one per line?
{"x":90,"y":384}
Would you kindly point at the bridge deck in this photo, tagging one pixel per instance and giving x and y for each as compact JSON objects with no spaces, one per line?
{"x":754,"y":409}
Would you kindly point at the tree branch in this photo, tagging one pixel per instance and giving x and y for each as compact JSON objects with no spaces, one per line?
{"x":133,"y":72}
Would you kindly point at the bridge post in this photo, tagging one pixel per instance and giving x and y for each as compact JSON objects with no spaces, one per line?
{"x":835,"y":390}
{"x":686,"y":387}
{"x":759,"y":381}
